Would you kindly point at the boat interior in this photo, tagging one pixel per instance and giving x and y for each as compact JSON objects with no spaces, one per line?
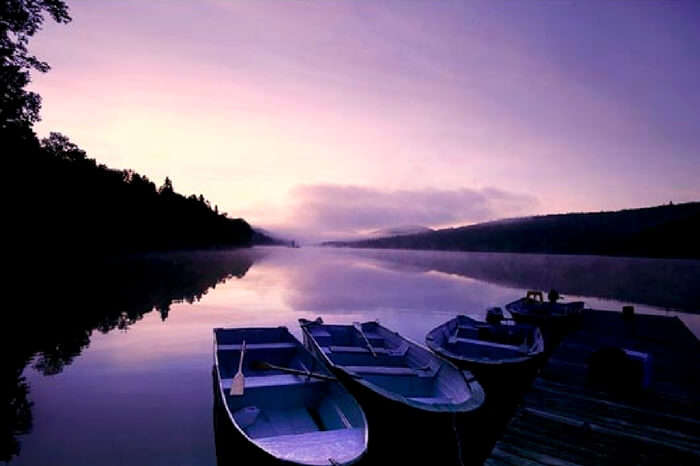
{"x":535,"y":307}
{"x":468,"y":338}
{"x":399,"y":367}
{"x":279,"y":405}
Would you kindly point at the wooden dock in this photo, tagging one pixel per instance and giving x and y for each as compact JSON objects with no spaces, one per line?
{"x":588,"y":407}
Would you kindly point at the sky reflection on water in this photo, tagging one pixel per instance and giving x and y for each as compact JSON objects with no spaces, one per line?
{"x":144,"y":395}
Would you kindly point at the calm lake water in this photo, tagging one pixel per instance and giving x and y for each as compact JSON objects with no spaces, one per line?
{"x":119,"y":371}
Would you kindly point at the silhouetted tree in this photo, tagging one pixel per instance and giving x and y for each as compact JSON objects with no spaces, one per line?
{"x":20,"y":20}
{"x":59,"y":146}
{"x":164,"y":310}
{"x":69,"y":205}
{"x":167,"y":187}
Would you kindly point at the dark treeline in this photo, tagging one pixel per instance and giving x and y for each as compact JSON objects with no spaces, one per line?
{"x":83,"y":236}
{"x":664,"y":231}
{"x":80,"y":205}
{"x":55,"y":321}
{"x":68,"y":202}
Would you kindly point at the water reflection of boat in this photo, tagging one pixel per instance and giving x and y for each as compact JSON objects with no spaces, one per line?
{"x":292,"y":409}
{"x":496,"y":342}
{"x":395,"y":368}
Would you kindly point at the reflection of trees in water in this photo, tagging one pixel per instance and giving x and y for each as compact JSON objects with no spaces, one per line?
{"x":666,"y":283}
{"x":60,"y":312}
{"x":15,"y":411}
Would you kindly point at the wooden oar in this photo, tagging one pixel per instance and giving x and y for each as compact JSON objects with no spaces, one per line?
{"x":263,"y":365}
{"x":238,"y":383}
{"x":358,"y":327}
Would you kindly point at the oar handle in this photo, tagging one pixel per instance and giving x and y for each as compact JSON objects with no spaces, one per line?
{"x":240,"y":361}
{"x":358,"y":327}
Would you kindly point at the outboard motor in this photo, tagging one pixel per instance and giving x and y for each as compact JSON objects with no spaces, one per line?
{"x":494,"y":315}
{"x":553,"y":296}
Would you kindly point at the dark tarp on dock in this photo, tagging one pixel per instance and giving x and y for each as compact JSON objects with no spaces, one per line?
{"x":589,"y":406}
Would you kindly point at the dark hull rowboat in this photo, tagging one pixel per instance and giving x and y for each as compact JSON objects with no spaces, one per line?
{"x":393,"y":367}
{"x":539,"y":312}
{"x":506,"y":343}
{"x":286,"y":415}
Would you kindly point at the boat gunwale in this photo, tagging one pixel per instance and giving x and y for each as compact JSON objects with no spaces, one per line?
{"x":475,"y":401}
{"x":251,"y":440}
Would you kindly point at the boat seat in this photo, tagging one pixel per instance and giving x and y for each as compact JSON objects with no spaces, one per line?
{"x":455,"y":340}
{"x":257,"y":346}
{"x":466,"y":332}
{"x":347,"y":349}
{"x":321,"y":335}
{"x":384,"y":370}
{"x":374,"y":337}
{"x":400,"y":351}
{"x":308,"y":448}
{"x":473,"y":326}
{"x":271,"y":381}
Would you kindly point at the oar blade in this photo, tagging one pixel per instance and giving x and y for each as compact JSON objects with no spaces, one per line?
{"x":238,"y":382}
{"x":238,"y":385}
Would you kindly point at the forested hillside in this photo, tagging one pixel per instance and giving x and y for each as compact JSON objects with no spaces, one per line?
{"x":64,"y":202}
{"x":663,"y":231}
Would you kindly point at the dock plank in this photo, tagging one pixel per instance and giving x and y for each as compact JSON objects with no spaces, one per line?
{"x":565,"y":419}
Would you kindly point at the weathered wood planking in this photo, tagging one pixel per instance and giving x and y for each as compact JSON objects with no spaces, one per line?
{"x":565,"y":420}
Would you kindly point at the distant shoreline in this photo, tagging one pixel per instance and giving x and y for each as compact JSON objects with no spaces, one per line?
{"x":669,"y":231}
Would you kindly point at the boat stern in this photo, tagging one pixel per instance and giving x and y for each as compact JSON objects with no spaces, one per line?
{"x":332,"y":447}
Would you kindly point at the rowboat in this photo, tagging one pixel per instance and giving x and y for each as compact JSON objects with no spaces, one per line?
{"x":289,"y":406}
{"x":534,"y":310}
{"x":498,"y":341}
{"x":393,"y":367}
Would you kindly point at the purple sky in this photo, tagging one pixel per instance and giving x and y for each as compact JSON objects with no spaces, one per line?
{"x":328,"y":118}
